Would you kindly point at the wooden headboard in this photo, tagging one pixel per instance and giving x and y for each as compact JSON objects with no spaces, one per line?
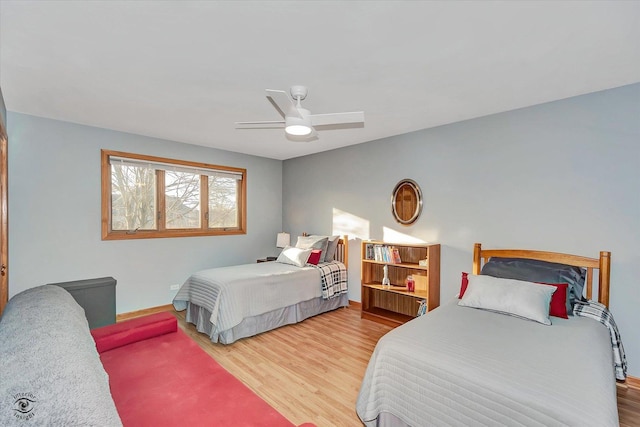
{"x":342,"y":251}
{"x":602,"y":264}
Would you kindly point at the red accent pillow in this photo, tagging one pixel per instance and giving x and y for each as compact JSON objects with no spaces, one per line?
{"x":314,"y":258}
{"x":464,"y":284}
{"x":558,"y":306}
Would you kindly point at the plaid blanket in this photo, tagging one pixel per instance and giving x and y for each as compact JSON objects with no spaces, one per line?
{"x":333,"y":276}
{"x":599,"y":312}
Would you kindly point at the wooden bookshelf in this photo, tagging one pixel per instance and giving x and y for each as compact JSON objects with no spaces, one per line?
{"x":395,"y":305}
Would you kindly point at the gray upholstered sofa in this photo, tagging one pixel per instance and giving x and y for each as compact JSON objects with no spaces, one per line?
{"x":51,"y":373}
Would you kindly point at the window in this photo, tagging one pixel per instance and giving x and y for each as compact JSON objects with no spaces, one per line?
{"x":148,"y":197}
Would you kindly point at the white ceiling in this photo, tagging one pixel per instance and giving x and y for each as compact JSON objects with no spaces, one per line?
{"x":186,"y":71}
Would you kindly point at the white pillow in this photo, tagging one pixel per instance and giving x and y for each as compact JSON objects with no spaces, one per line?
{"x":294,"y":256}
{"x":514,"y":297}
{"x":313,"y":242}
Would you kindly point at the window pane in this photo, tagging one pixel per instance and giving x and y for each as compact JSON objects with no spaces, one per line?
{"x":133,"y":198}
{"x":223,"y":202}
{"x":182,"y":199}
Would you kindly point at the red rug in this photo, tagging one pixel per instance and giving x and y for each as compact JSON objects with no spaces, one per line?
{"x":168,"y":380}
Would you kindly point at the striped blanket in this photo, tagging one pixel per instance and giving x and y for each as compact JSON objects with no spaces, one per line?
{"x":599,"y":312}
{"x":333,"y":277}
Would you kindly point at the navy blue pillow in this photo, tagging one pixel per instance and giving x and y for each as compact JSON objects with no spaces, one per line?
{"x":532,"y":270}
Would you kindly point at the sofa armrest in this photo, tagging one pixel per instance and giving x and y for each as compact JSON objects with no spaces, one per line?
{"x":130,"y":331}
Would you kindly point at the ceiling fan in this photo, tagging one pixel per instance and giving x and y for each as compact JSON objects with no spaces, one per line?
{"x":298,"y":121}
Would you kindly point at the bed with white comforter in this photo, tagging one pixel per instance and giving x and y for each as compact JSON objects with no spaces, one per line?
{"x":229,"y":303}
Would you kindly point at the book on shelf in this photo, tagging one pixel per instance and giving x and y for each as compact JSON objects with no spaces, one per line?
{"x":396,"y":255}
{"x":377,"y":251}
{"x":382,"y":253}
{"x":369,"y":252}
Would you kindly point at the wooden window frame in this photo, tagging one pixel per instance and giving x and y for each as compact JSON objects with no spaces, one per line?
{"x":162,"y":231}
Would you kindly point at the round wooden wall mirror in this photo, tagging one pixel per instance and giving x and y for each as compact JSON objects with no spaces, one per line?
{"x":406,"y":202}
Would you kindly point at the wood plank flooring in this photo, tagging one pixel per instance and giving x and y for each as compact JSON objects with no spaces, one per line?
{"x":629,"y":406}
{"x":311,"y":371}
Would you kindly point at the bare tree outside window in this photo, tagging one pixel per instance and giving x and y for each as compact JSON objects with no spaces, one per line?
{"x":182,"y":199}
{"x":133,"y":198}
{"x":149,"y":197}
{"x":223,"y":202}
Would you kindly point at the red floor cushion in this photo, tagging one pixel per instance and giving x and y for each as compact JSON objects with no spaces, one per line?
{"x":168,"y":380}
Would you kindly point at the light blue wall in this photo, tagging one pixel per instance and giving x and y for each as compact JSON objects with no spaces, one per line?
{"x":562,"y":176}
{"x":54,"y":213}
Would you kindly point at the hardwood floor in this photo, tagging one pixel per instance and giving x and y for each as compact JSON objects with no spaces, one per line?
{"x":311,"y":371}
{"x":629,"y":406}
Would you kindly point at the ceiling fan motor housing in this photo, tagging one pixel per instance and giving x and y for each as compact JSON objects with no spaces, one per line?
{"x":298,"y":92}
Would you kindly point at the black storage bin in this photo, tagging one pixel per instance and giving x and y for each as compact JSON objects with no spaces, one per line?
{"x":97,"y":297}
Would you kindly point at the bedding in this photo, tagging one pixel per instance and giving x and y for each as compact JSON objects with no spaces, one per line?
{"x":332,"y":244}
{"x":463,"y":366}
{"x":599,"y":312}
{"x":539,"y":271}
{"x":230,"y":303}
{"x":557,"y":307}
{"x":314,"y":257}
{"x":313,"y":242}
{"x":294,"y":256}
{"x":513,"y":297}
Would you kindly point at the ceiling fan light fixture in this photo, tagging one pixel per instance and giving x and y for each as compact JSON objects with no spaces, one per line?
{"x":298,"y":130}
{"x":297,"y":126}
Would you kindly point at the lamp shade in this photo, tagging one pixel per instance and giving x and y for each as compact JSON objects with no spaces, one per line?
{"x":283,"y":240}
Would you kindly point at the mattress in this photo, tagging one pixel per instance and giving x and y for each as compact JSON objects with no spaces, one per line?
{"x":462,"y":366}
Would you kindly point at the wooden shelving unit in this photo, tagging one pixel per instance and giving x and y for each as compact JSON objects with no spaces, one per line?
{"x":395,"y":305}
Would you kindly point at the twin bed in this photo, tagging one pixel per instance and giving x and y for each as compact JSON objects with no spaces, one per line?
{"x":230,"y":303}
{"x":475,"y":365}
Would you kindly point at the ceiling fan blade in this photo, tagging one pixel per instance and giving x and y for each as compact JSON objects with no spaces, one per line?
{"x":266,"y":124}
{"x":337,"y":118}
{"x":283,"y":102}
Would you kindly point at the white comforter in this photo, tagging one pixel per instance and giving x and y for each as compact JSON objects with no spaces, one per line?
{"x":461,"y":366}
{"x":234,"y":293}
